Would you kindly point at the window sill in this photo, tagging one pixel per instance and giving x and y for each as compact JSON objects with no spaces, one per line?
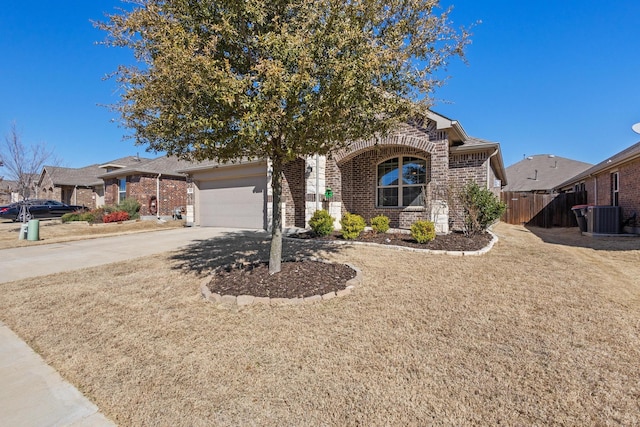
{"x":404,"y":208}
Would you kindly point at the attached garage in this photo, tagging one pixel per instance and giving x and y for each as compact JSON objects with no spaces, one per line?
{"x":232,"y":196}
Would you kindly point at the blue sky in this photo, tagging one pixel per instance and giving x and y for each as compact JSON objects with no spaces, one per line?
{"x":543,"y":77}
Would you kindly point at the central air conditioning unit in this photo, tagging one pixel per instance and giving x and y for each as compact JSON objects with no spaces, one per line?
{"x":604,"y":219}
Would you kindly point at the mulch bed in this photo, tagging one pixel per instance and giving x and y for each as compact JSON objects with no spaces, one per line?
{"x":297,"y":279}
{"x":447,"y":242}
{"x":300,"y":279}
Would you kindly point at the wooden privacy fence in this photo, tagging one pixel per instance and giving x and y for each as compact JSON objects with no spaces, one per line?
{"x":542,"y":210}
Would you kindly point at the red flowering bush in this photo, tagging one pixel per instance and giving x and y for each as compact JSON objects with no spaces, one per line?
{"x":116,"y":217}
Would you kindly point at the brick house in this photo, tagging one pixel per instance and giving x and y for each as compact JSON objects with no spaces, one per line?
{"x":612,"y":182}
{"x":108,"y":183}
{"x":156,"y":184}
{"x":71,"y":186}
{"x":8,"y":191}
{"x":11,"y":191}
{"x":78,"y":186}
{"x":540,"y":173}
{"x":406,"y":176}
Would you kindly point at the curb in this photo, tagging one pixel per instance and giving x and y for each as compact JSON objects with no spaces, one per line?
{"x":248,"y":300}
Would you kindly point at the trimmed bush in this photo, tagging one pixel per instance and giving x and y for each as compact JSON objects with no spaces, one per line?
{"x":321,"y":223}
{"x":352,"y":225}
{"x":380,"y":224}
{"x":71,"y":216}
{"x":481,"y":208}
{"x":89,"y":216}
{"x":116,"y":217}
{"x":130,"y":206}
{"x":423,"y":231}
{"x":93,"y":216}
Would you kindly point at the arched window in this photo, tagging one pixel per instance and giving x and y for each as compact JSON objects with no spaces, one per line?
{"x":401,"y":181}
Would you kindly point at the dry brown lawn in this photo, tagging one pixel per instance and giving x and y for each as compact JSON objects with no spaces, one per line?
{"x":536,"y":332}
{"x":54,"y":231}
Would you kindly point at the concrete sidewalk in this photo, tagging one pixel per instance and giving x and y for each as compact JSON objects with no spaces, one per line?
{"x":31,"y":392}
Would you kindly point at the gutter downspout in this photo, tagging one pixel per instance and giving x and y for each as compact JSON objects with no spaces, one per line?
{"x":158,"y":195}
{"x":75,"y":195}
{"x":489,"y":166}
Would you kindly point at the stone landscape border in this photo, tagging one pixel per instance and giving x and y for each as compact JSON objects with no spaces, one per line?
{"x":248,"y":300}
{"x":482,"y":251}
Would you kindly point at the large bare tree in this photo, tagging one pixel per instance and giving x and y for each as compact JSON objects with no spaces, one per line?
{"x":23,"y":163}
{"x":276,"y":79}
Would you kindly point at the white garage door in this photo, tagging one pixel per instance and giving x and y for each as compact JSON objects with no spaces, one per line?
{"x":237,"y":202}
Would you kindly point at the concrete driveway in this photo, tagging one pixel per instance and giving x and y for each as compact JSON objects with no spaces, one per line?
{"x":33,"y":261}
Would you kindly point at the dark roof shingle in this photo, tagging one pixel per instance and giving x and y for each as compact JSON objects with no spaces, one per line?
{"x":542,"y":172}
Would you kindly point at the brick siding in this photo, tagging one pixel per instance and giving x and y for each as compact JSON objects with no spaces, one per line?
{"x":629,"y":191}
{"x":358,"y":185}
{"x":173,"y":192}
{"x":293,"y":193}
{"x":468,"y":167}
{"x":353,"y":171}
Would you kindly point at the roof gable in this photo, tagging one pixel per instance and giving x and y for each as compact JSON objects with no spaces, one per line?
{"x":86,"y":176}
{"x":124,"y":162}
{"x":542,"y":172}
{"x":164,"y":165}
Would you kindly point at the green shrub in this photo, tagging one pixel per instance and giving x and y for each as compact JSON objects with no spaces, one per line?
{"x":423,"y":231}
{"x":380,"y":224}
{"x":95,"y":215}
{"x":130,"y":206}
{"x":352,"y":225}
{"x":89,"y":216}
{"x":321,"y":223}
{"x":71,"y":216}
{"x":481,"y":208}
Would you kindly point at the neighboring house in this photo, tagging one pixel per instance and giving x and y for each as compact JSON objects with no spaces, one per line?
{"x":8,"y":191}
{"x":71,"y":186}
{"x":530,"y":196}
{"x":79,"y":186}
{"x":541,"y":173}
{"x":613,"y":182}
{"x":406,"y":176}
{"x":156,"y":184}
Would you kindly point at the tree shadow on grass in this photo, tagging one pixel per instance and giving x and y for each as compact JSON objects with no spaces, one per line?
{"x":202,"y":256}
{"x":571,"y":236}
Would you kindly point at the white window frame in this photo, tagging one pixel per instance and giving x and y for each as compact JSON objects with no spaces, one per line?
{"x":615,"y":188}
{"x":400,"y":186}
{"x":122,"y":193}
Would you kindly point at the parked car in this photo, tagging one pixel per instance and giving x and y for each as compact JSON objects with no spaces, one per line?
{"x":37,"y":208}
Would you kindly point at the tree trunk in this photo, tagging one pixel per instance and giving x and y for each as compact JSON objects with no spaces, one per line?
{"x":275,"y":255}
